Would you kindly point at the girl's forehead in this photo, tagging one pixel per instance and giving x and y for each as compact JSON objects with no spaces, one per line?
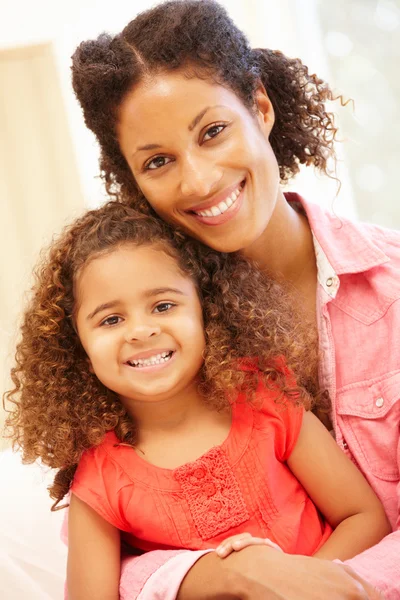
{"x":129,"y":264}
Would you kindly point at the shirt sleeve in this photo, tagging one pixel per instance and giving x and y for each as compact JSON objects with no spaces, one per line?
{"x":156,"y":575}
{"x":380,"y":565}
{"x":284,"y":417}
{"x":289,"y":422}
{"x":97,"y":481}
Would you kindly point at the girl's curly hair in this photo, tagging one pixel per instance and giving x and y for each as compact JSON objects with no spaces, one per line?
{"x":60,"y":408}
{"x":199,"y":37}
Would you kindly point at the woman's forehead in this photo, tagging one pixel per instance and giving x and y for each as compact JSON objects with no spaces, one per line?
{"x":158,"y":103}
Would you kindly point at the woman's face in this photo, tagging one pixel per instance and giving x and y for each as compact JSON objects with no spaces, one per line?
{"x":201,"y":158}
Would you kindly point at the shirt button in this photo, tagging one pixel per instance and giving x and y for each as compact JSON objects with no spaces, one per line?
{"x":209,"y":489}
{"x":214,"y":506}
{"x":329,"y":282}
{"x":345,"y":445}
{"x":199,"y":473}
{"x":379,"y":402}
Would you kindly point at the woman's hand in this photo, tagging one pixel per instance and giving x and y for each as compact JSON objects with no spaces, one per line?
{"x":261,"y":573}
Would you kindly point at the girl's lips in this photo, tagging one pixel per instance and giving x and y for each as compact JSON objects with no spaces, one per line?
{"x":152,"y":368}
{"x":226,"y":216}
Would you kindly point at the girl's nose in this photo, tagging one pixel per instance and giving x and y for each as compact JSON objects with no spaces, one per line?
{"x":142,"y":332}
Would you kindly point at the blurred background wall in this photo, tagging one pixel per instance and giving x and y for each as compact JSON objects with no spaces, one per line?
{"x":48,"y":160}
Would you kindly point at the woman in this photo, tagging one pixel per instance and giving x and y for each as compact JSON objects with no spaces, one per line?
{"x":200,"y":129}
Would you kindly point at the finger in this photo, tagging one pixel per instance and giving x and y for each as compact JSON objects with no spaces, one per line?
{"x":225,"y":548}
{"x":252,"y":541}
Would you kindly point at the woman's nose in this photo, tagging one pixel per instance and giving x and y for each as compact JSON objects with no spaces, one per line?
{"x":142,"y":332}
{"x":199,"y":177}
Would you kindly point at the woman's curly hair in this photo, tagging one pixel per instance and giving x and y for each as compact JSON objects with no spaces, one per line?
{"x":58,"y":406}
{"x":199,"y":37}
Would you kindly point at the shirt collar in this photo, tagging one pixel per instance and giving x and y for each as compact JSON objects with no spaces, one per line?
{"x":347,"y":248}
{"x":344,"y":251}
{"x":326,"y":274}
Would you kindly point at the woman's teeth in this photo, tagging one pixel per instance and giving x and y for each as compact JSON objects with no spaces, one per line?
{"x":157,"y":359}
{"x":223,"y":206}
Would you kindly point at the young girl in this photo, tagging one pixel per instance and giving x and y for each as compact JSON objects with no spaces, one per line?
{"x":151,"y":375}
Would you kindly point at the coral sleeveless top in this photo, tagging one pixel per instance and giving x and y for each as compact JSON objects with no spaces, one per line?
{"x":242,"y":485}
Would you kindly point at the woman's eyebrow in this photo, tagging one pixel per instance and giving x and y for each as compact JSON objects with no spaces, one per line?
{"x":147,"y":147}
{"x":201,"y":114}
{"x":192,"y":125}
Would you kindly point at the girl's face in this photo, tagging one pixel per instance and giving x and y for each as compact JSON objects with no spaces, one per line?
{"x":140,"y":322}
{"x":201,"y":158}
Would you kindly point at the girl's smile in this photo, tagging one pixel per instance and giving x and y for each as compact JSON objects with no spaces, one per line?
{"x":150,"y":361}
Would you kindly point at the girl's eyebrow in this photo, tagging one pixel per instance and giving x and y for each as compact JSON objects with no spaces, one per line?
{"x":163,"y":290}
{"x":147,"y":294}
{"x":101,"y":307}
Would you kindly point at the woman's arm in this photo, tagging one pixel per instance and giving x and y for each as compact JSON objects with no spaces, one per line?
{"x":339,"y":491}
{"x":380,"y":564}
{"x":262,"y":573}
{"x":93,"y":569}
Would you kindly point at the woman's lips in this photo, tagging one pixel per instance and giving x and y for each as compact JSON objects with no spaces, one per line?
{"x":225,"y":216}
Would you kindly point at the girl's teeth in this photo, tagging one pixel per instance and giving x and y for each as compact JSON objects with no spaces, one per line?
{"x":222,"y":207}
{"x":153,"y":360}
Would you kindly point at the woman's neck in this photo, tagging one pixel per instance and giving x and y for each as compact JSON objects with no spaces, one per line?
{"x":285,"y":250}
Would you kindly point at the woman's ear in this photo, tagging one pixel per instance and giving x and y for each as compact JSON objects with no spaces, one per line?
{"x":265,"y":111}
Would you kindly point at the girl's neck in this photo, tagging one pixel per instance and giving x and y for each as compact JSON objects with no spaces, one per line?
{"x":285,"y":250}
{"x":168,"y":414}
{"x":172,"y":433}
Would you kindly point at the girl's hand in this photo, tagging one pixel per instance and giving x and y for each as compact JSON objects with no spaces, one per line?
{"x":235,"y":543}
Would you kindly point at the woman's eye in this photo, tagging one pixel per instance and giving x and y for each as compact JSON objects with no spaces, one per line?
{"x":164,"y":307}
{"x":114,"y":320}
{"x":213,"y":131}
{"x":157,"y":163}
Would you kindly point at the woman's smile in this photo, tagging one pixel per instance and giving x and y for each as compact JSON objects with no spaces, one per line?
{"x":221,"y":208}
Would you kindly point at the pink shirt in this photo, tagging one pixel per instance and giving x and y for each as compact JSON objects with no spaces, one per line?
{"x":359,"y":326}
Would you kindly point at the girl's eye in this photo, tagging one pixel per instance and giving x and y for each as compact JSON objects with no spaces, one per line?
{"x":213,"y":131}
{"x":114,"y":320}
{"x":164,"y":307}
{"x":157,"y":163}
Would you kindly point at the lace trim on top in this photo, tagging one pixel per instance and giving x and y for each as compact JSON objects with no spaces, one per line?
{"x":213,"y":494}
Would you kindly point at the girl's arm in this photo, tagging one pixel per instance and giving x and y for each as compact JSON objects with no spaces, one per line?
{"x":94,"y":555}
{"x":339,"y":491}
